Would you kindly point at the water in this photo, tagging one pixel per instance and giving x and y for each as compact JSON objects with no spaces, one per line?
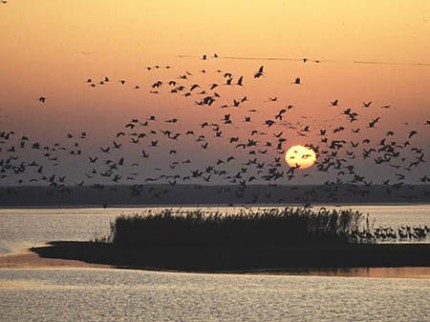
{"x":394,"y":215}
{"x":24,"y":228}
{"x":73,"y":294}
{"x":118,"y":295}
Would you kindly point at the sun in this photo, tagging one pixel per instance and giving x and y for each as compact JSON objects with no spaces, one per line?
{"x":301,"y":157}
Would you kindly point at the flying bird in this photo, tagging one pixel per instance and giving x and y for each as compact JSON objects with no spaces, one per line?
{"x":374,"y":121}
{"x":260,"y":72}
{"x":297,"y":81}
{"x":240,"y":81}
{"x":412,"y":133}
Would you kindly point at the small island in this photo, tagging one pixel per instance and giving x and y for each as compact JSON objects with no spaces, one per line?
{"x":264,"y":240}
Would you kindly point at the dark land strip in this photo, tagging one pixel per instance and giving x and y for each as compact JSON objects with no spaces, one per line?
{"x":231,"y":259}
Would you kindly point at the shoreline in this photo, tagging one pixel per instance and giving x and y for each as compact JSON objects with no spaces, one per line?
{"x":25,"y":258}
{"x":32,"y":259}
{"x":346,"y":260}
{"x":153,"y":195}
{"x":213,"y":205}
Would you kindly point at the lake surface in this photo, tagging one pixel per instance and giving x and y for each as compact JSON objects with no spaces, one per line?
{"x":123,"y":295}
{"x":71,"y":294}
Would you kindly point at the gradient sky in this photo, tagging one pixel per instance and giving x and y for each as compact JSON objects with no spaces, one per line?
{"x":50,"y":48}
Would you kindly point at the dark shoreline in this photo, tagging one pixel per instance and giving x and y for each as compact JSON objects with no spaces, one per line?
{"x":223,"y":260}
{"x":219,"y":195}
{"x":216,"y":205}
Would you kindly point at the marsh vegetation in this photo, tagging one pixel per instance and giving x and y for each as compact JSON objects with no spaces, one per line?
{"x":247,"y":228}
{"x":276,"y":227}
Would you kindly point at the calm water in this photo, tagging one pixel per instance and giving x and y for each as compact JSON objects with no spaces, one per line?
{"x":115,"y":295}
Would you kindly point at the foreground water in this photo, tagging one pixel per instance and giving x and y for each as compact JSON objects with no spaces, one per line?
{"x":118,"y":295}
{"x":115,"y":295}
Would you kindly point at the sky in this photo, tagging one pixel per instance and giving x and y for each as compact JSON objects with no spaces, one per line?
{"x":351,"y":51}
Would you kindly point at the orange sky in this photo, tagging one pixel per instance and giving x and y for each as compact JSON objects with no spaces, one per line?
{"x":51,"y":47}
{"x":47,"y":43}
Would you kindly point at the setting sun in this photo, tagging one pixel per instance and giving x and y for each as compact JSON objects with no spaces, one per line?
{"x":299,"y":156}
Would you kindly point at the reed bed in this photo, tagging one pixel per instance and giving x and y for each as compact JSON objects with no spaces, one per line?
{"x":261,"y":228}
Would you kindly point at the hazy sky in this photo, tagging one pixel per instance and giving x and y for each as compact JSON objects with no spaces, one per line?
{"x":374,"y":51}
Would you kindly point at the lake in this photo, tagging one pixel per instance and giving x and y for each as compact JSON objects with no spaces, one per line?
{"x":70,"y":294}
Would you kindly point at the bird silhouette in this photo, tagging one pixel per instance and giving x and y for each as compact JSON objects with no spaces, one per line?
{"x":239,"y":152}
{"x":240,"y":81}
{"x":297,"y":81}
{"x":259,"y":73}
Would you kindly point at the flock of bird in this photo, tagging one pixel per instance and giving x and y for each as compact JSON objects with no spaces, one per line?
{"x":244,"y":146}
{"x":389,"y":234}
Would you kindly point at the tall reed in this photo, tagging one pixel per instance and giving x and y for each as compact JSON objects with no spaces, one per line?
{"x":262,"y":228}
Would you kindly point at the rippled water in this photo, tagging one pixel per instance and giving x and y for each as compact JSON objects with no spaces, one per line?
{"x":117,"y":295}
{"x":81,"y":294}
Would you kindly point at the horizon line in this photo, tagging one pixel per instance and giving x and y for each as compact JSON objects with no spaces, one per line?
{"x":311,"y":60}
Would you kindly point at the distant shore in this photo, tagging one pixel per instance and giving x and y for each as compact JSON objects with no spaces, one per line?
{"x":210,"y":195}
{"x":209,"y":205}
